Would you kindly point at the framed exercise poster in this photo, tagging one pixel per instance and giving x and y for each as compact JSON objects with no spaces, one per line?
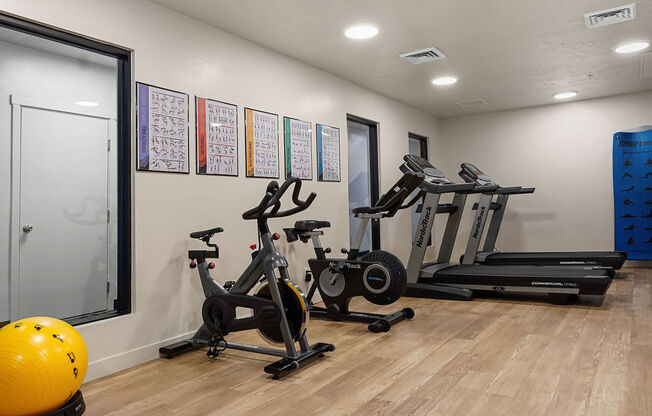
{"x":162,"y":125}
{"x":261,"y":144}
{"x":328,"y":153}
{"x":217,"y":137}
{"x":298,"y":148}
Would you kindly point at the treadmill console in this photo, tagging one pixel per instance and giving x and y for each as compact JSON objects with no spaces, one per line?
{"x":418,"y":164}
{"x":470,"y":173}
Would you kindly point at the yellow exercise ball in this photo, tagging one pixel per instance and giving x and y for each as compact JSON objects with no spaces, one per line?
{"x":73,"y":341}
{"x":43,"y":362}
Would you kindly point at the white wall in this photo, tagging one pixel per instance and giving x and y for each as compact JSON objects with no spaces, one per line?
{"x":174,"y":51}
{"x":563,"y":150}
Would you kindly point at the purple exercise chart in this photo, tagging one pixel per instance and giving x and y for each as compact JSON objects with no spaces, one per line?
{"x":162,"y":126}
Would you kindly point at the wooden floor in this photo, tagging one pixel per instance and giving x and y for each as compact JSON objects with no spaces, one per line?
{"x":486,"y":357}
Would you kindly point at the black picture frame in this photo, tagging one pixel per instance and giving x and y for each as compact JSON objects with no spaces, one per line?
{"x":237,"y":155}
{"x":138,"y":167}
{"x":318,"y":151}
{"x":246,"y":152}
{"x":288,"y":155}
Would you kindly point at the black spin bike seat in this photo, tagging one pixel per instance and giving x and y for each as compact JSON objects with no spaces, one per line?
{"x":310,"y":225}
{"x":206,"y":233}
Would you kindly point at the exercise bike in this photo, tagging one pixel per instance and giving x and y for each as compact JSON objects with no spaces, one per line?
{"x":279,"y":310}
{"x":378,"y":275}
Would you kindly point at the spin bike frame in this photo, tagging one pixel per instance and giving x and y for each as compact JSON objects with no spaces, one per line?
{"x":267,"y":264}
{"x":352,"y":254}
{"x":389,"y":204}
{"x":374,"y":319}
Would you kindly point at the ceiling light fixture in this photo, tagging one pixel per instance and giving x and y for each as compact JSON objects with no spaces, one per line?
{"x":361,"y":31}
{"x":632,"y":47}
{"x":565,"y":95}
{"x":444,"y":81}
{"x":87,"y":103}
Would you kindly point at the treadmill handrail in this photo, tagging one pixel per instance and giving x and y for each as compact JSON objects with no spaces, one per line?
{"x":419,"y":195}
{"x":446,"y":187}
{"x":508,"y":190}
{"x":385,"y":207}
{"x":484,"y":189}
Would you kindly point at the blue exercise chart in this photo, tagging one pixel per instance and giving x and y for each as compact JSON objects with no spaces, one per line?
{"x":632,"y":169}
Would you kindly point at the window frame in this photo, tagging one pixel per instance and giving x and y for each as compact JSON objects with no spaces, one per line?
{"x":123,"y":148}
{"x":374,"y":172}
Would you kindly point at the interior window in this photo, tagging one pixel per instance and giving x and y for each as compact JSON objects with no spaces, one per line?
{"x":64,"y":163}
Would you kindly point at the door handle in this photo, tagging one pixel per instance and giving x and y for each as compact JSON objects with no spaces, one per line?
{"x":27,"y":228}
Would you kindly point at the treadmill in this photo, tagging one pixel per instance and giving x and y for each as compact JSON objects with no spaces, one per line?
{"x":490,"y":256}
{"x":443,"y":280}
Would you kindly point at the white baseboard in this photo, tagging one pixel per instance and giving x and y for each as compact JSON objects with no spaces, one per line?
{"x":128,"y":359}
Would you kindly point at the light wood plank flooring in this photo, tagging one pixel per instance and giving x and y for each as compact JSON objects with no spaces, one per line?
{"x":507,"y":356}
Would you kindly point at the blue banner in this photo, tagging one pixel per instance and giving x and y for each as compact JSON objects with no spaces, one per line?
{"x":632,"y":169}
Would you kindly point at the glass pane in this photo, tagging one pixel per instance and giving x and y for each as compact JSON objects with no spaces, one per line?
{"x":359,"y":179}
{"x":66,"y":257}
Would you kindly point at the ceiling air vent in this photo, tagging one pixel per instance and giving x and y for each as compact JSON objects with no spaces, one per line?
{"x":610,"y":16}
{"x":471,"y":103}
{"x":422,"y":56}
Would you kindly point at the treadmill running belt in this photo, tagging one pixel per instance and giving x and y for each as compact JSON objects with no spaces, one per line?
{"x":581,"y":280}
{"x":612,"y":259}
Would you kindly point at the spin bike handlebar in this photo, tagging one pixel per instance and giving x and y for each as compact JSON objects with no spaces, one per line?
{"x":272,"y":199}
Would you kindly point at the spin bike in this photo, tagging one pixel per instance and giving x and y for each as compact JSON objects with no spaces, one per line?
{"x":378,"y":275}
{"x":279,"y":310}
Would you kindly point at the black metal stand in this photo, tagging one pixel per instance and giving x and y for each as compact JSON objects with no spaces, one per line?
{"x":377,"y":322}
{"x":200,"y":339}
{"x":287,"y":364}
{"x":73,"y":407}
{"x":434,"y":291}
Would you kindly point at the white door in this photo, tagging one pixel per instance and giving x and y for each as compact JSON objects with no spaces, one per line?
{"x":60,"y":267}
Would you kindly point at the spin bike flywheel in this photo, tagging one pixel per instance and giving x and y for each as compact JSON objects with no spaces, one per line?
{"x":384,"y":281}
{"x":296,"y":312}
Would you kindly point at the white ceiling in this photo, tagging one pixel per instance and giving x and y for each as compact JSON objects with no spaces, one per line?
{"x":511,"y":53}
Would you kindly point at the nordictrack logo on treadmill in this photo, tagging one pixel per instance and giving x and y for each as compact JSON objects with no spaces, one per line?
{"x":424,"y":227}
{"x":478,"y":222}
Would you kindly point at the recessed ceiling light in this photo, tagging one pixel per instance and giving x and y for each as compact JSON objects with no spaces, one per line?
{"x":87,"y":103}
{"x":361,"y":31}
{"x":444,"y":81}
{"x":565,"y":95}
{"x":632,"y":47}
